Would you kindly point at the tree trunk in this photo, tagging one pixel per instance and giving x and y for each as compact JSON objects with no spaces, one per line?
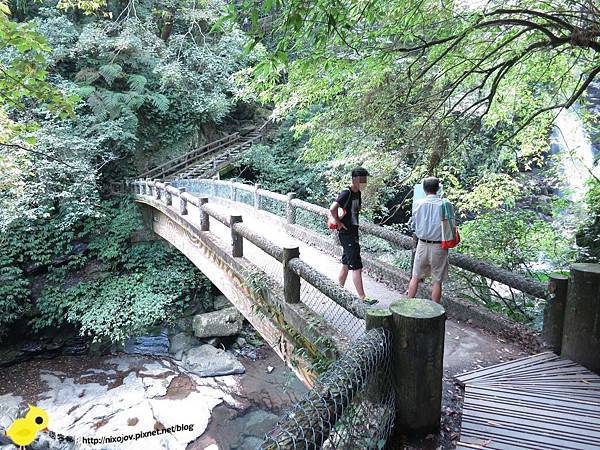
{"x":418,"y":350}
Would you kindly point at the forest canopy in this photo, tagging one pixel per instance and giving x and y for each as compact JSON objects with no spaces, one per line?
{"x":428,"y":82}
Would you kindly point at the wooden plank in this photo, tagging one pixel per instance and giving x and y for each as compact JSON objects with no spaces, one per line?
{"x":542,"y":402}
{"x":493,"y":443}
{"x":530,"y":369}
{"x":536,"y":424}
{"x":535,"y":397}
{"x":568,"y":393}
{"x":527,"y":411}
{"x":543,"y":438}
{"x":505,"y":443}
{"x":553,"y":404}
{"x":528,"y":360}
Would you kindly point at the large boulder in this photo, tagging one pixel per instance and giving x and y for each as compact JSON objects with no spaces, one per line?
{"x":208,"y":361}
{"x":226,"y":322}
{"x":182,"y":342}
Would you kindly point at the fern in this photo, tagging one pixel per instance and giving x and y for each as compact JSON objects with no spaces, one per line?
{"x":85,"y":91}
{"x":159,"y":101}
{"x":133,"y":100}
{"x":113,"y":102}
{"x":96,"y":103}
{"x":137,"y":83}
{"x":110,"y":72}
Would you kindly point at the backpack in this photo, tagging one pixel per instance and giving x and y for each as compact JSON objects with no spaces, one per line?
{"x":331,"y":224}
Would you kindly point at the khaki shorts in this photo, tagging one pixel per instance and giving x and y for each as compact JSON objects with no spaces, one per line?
{"x":430,"y":260}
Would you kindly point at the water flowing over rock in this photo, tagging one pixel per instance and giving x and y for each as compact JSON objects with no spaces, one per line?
{"x":157,"y":344}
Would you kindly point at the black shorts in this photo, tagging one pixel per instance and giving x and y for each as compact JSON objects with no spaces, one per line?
{"x":351,"y":255}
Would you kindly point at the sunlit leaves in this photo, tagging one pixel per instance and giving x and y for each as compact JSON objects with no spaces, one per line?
{"x":24,"y":70}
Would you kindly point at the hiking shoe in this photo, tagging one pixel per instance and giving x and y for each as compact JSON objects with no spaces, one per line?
{"x":369,"y":300}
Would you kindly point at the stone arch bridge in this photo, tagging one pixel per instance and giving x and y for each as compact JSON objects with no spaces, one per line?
{"x":272,"y":256}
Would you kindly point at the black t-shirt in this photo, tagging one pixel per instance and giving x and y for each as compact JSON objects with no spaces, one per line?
{"x":351,"y":202}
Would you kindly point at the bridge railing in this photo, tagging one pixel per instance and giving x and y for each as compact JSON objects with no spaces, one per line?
{"x":182,"y":161}
{"x":293,"y":267}
{"x":295,"y":211}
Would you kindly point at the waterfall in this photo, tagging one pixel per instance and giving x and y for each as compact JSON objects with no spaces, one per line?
{"x":571,"y":142}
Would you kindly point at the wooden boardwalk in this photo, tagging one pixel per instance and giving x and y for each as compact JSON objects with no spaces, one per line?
{"x":539,"y":402}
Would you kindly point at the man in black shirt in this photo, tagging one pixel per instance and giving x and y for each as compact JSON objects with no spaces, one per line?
{"x":350,"y":201}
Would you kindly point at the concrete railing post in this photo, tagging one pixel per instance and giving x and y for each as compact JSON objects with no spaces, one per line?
{"x":182,"y":202}
{"x":149,"y":188}
{"x":168,"y":196}
{"x":291,"y":281}
{"x":237,"y":241}
{"x":554,"y":312}
{"x":204,"y":218}
{"x":290,"y":210}
{"x":256,"y":196}
{"x":156,"y":190}
{"x":231,"y":191}
{"x":417,"y":363}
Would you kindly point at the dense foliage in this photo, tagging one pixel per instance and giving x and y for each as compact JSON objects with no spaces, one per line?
{"x":95,"y":91}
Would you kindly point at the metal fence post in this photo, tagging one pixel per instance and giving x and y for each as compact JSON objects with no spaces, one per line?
{"x":291,"y":281}
{"x":290,"y":209}
{"x":256,"y":196}
{"x":237,"y":241}
{"x":204,"y":218}
{"x":182,"y":202}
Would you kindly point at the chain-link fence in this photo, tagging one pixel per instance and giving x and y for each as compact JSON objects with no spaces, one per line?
{"x":351,"y":406}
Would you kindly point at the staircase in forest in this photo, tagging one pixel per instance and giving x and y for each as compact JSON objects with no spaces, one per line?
{"x":208,"y":160}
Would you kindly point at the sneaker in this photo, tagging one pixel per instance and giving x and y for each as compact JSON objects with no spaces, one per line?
{"x":369,"y":300}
